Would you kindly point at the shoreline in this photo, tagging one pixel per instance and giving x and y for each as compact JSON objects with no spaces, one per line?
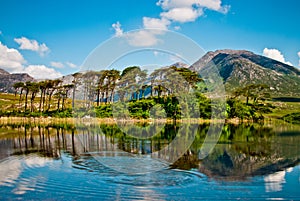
{"x":74,"y":121}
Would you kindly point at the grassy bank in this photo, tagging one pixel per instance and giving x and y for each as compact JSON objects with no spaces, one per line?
{"x":11,"y":110}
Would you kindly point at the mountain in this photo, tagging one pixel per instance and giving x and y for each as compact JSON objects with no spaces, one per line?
{"x":3,"y":72}
{"x":7,"y":80}
{"x":239,"y":68}
{"x":180,"y":65}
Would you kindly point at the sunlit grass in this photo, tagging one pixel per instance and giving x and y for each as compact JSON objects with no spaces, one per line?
{"x":10,"y":102}
{"x":283,"y":108}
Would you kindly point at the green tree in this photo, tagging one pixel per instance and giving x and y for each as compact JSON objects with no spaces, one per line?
{"x":66,"y":89}
{"x":42,"y":87}
{"x":52,"y":86}
{"x":75,"y":82}
{"x":255,"y":92}
{"x":26,"y":87}
{"x":34,"y":89}
{"x":131,"y":80}
{"x":19,"y":86}
{"x":113,"y":76}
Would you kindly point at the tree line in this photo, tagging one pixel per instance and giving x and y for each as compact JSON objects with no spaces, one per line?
{"x":98,"y":90}
{"x":46,"y":91}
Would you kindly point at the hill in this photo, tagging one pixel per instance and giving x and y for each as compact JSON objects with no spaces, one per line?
{"x":239,"y":68}
{"x":7,"y":80}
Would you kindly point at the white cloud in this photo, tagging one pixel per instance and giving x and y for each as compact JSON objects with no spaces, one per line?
{"x":42,"y":72}
{"x":169,"y":4}
{"x":62,"y":65}
{"x":71,"y":65}
{"x":173,"y":11}
{"x":142,"y":38}
{"x":276,"y":55}
{"x":175,"y":59}
{"x":118,"y":29}
{"x":177,"y":28}
{"x":33,"y":45}
{"x":215,"y":5}
{"x":11,"y":59}
{"x":182,"y":14}
{"x":0,"y":32}
{"x":155,"y":23}
{"x":57,"y":64}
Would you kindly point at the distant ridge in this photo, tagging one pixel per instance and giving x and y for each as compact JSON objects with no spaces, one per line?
{"x":7,"y":80}
{"x":239,"y":68}
{"x":3,"y":72}
{"x":180,"y":65}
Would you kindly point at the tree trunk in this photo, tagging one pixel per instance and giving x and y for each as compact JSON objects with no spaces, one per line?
{"x":73,"y":98}
{"x":44,"y":99}
{"x":63,"y":104}
{"x":106,"y":95}
{"x":49,"y":101}
{"x":112,"y":96}
{"x":20,"y":98}
{"x":98,"y":96}
{"x":26,"y":100}
{"x":41,"y":100}
{"x":31,"y":102}
{"x":102,"y":97}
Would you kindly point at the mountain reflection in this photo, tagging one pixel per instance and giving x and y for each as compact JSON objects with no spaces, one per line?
{"x":243,"y":150}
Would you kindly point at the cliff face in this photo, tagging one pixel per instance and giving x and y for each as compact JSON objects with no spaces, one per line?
{"x":7,"y":80}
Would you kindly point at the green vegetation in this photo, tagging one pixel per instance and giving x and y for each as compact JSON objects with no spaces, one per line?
{"x":34,"y":99}
{"x":292,"y":118}
{"x":158,"y":94}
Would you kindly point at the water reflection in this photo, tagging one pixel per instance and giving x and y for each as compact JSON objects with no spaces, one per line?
{"x":243,"y":150}
{"x":13,"y":168}
{"x":274,"y":181}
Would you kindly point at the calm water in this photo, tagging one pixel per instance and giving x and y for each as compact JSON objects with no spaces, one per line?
{"x":61,"y":162}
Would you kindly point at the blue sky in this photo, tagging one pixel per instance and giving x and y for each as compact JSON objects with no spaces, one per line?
{"x":48,"y":39}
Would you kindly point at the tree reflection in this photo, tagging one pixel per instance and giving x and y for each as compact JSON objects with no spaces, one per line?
{"x":243,"y":151}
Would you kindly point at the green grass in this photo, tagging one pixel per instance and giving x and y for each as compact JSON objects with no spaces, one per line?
{"x":7,"y":100}
{"x":10,"y":103}
{"x":292,"y":118}
{"x":283,"y":108}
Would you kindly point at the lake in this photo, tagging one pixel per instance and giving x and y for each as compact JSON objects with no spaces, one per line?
{"x":106,"y":162}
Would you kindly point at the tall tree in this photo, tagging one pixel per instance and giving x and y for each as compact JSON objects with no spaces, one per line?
{"x":90,"y":84}
{"x":52,"y":86}
{"x":131,"y":79}
{"x":75,"y":82}
{"x":66,"y":89}
{"x":143,"y":89}
{"x":253,"y":91}
{"x":113,"y":76}
{"x":42,"y":87}
{"x":100,"y":86}
{"x":27,"y":89}
{"x":34,"y":89}
{"x":19,"y":86}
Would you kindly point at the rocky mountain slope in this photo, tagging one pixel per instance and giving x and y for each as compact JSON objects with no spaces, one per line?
{"x":239,"y":68}
{"x":7,"y":80}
